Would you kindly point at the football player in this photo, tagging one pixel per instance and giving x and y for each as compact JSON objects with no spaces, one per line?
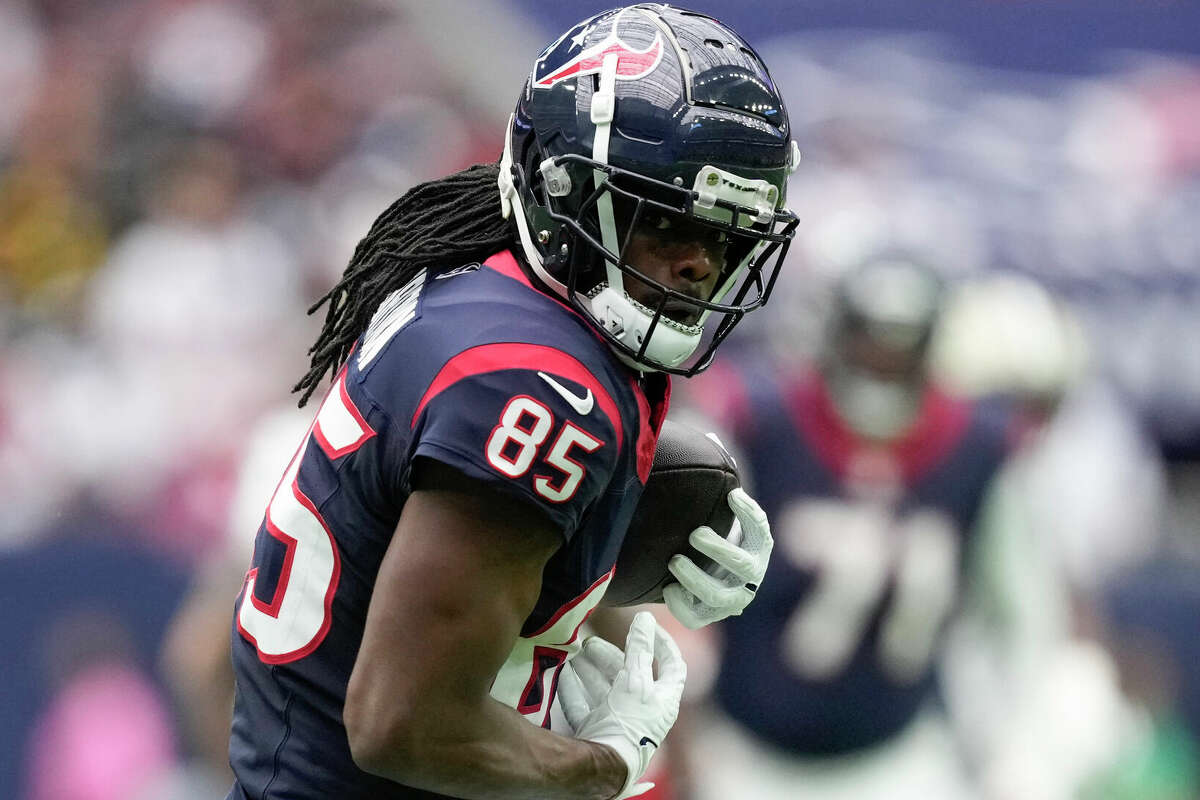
{"x":874,"y":478}
{"x":500,"y":347}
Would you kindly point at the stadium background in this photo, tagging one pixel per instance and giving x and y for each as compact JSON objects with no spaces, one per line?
{"x":180,"y":178}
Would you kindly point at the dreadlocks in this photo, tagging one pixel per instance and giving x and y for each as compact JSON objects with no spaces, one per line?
{"x":443,"y":223}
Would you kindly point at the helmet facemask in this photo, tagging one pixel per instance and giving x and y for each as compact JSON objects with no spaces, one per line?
{"x":650,"y":325}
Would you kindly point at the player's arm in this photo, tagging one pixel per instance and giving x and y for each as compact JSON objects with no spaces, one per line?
{"x":462,"y":573}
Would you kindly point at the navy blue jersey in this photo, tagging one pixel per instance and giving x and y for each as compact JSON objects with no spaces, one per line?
{"x":836,"y":651}
{"x":477,"y":369}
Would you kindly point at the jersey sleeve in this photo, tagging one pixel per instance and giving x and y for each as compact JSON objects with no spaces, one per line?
{"x":529,"y":420}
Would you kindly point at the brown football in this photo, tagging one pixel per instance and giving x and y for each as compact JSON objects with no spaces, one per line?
{"x":687,"y":488}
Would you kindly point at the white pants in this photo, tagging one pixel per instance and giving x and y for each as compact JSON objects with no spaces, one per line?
{"x":918,"y":763}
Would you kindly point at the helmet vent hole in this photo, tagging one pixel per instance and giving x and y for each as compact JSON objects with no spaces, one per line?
{"x":715,"y":44}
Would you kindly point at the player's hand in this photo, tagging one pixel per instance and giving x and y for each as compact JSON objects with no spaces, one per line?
{"x":740,"y":562}
{"x":613,"y":698}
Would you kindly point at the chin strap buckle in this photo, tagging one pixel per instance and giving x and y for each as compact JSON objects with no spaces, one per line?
{"x":556,"y":178}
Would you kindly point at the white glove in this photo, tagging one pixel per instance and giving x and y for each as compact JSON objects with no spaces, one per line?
{"x":612,"y":697}
{"x":701,"y":597}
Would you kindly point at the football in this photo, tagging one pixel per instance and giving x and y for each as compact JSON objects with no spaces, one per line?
{"x":688,"y":484}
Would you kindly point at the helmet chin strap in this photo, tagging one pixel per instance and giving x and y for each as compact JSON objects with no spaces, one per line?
{"x":604,"y":102}
{"x":612,"y":305}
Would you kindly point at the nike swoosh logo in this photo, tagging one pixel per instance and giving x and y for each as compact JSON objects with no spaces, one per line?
{"x":646,"y":740}
{"x":582,"y":405}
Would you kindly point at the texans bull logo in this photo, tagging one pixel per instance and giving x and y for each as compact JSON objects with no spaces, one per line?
{"x":631,"y":63}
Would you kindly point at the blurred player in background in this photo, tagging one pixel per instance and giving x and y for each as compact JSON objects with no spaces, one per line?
{"x":500,"y":368}
{"x":875,"y":479}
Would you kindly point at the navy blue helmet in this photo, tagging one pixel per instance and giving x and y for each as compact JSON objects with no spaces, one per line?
{"x":651,"y":115}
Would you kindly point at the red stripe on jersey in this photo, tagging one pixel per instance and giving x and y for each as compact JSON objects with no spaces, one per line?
{"x":940,"y":425}
{"x":650,"y":422}
{"x":518,"y":355}
{"x":506,"y":264}
{"x":550,"y":623}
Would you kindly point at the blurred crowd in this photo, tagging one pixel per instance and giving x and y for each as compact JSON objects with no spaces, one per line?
{"x":180,"y":179}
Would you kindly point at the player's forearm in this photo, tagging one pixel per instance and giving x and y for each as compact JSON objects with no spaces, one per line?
{"x":490,"y":752}
{"x":611,"y":624}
